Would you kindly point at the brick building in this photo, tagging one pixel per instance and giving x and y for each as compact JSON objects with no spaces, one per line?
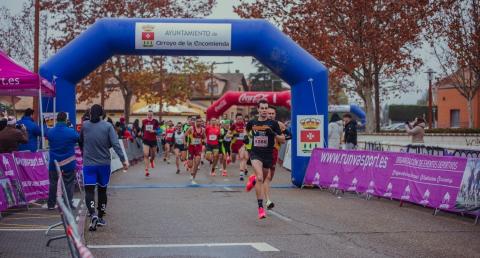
{"x":452,"y":106}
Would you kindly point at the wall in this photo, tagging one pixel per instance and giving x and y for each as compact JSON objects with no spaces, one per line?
{"x":450,"y":98}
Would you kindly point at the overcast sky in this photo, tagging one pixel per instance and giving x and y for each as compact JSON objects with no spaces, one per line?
{"x":224,"y":10}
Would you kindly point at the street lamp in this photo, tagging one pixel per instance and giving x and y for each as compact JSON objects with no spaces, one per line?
{"x":430,"y":73}
{"x":212,"y":66}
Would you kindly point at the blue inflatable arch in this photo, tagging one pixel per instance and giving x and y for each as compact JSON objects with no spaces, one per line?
{"x":201,"y":37}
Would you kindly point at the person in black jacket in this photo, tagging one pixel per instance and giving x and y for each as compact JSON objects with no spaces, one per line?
{"x":350,"y":132}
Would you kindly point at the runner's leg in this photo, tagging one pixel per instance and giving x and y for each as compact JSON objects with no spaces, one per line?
{"x":177,"y":159}
{"x":146,"y":156}
{"x":259,"y":173}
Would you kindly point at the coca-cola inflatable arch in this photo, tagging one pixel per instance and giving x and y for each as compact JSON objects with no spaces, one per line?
{"x":203,"y":37}
{"x":249,"y":98}
{"x":281,"y":99}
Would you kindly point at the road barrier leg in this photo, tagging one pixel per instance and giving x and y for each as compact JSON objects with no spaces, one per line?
{"x":52,"y":227}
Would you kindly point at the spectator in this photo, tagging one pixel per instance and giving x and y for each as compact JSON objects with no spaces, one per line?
{"x":350,"y":132}
{"x":136,"y":129}
{"x":335,"y":132}
{"x":86,"y":116}
{"x":3,"y":123}
{"x":62,"y":141}
{"x":12,"y":136}
{"x":96,"y":138}
{"x":33,"y":131}
{"x":417,"y":131}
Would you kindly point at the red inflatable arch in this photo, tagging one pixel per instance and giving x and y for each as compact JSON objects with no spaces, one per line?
{"x":249,"y":98}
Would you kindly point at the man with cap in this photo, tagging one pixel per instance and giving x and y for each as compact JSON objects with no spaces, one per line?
{"x":12,"y":136}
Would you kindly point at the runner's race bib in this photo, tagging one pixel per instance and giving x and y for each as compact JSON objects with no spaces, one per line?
{"x":196,"y":141}
{"x":260,"y":141}
{"x":212,"y":137}
{"x":179,"y":141}
{"x":241,"y":136}
{"x":149,"y":127}
{"x":227,"y":139}
{"x":169,"y":135}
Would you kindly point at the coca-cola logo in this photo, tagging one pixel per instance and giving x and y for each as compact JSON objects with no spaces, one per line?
{"x":220,"y":105}
{"x":251,"y":99}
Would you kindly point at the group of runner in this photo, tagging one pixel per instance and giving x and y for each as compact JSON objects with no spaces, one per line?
{"x":220,"y":143}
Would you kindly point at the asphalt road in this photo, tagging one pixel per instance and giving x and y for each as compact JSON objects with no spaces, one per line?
{"x":163,"y":216}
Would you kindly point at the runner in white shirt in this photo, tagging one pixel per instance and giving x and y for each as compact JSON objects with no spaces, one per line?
{"x":180,"y":147}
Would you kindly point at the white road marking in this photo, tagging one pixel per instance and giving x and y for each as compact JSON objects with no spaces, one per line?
{"x":259,"y":246}
{"x":228,"y":188}
{"x":278,"y":215}
{"x":28,"y":229}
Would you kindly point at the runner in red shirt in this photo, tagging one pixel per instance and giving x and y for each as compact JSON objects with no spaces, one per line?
{"x":238,"y":130}
{"x":169,"y":140}
{"x":213,"y":135}
{"x":196,"y":135}
{"x":149,"y":129}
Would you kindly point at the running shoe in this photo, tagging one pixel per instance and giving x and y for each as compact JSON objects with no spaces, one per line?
{"x":246,"y":172}
{"x":224,"y":172}
{"x":242,"y":175}
{"x":164,"y":159}
{"x":101,"y":222}
{"x":152,"y":164}
{"x":93,"y":223}
{"x":178,"y":171}
{"x":194,"y":182}
{"x":270,"y":205}
{"x":250,"y":183}
{"x":228,"y":159}
{"x":212,"y":173}
{"x":146,"y":173}
{"x":261,"y":213}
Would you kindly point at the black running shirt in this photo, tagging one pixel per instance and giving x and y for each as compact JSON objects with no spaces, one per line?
{"x":263,"y":133}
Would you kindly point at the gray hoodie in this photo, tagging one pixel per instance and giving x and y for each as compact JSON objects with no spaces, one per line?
{"x":96,"y":139}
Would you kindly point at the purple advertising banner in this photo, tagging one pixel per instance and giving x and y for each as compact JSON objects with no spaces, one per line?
{"x":433,"y":181}
{"x":33,"y":173}
{"x":9,"y":181}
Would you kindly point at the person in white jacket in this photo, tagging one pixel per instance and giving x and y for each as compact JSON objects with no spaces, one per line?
{"x":335,"y":131}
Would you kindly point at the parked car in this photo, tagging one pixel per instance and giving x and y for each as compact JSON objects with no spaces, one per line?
{"x":395,"y":127}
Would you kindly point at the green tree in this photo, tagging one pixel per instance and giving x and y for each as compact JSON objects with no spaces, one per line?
{"x":264,"y":79}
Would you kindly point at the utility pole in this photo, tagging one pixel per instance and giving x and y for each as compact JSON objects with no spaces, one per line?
{"x":36,"y":53}
{"x":430,"y":73}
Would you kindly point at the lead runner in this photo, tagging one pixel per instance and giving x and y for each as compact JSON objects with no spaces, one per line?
{"x":264,"y":134}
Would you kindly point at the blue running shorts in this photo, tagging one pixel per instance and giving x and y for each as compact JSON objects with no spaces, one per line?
{"x":96,"y":175}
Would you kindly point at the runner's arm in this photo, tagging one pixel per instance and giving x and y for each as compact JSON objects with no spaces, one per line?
{"x":279,"y":136}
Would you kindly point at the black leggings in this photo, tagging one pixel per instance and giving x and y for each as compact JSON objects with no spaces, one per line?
{"x":90,"y":199}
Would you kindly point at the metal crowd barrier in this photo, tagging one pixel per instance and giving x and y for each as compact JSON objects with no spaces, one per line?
{"x":428,"y":150}
{"x":134,"y":150}
{"x":74,"y":240}
{"x":420,"y":149}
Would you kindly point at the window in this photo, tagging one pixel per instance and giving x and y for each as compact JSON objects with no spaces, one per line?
{"x":454,"y":118}
{"x":213,"y":89}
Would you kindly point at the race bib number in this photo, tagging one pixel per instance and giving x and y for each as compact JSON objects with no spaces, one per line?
{"x":169,"y":135}
{"x":179,"y":141}
{"x":212,"y":137}
{"x":149,"y":127}
{"x":241,"y":136}
{"x":196,"y":141}
{"x":260,"y":141}
{"x":227,"y":139}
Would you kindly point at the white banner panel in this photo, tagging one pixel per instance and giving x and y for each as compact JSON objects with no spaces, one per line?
{"x":183,"y":36}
